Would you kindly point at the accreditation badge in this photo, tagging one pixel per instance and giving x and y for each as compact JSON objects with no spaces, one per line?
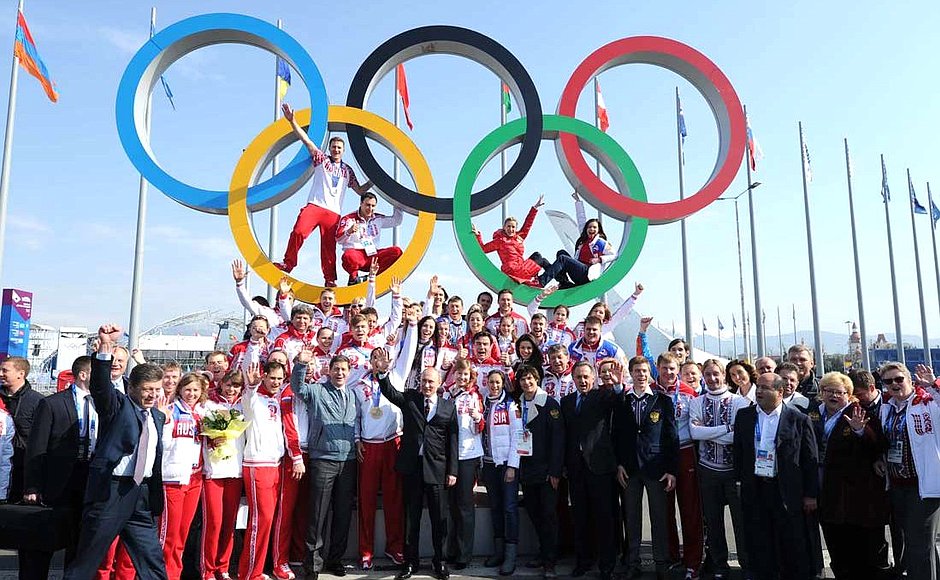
{"x":765,"y":464}
{"x":524,"y":443}
{"x":368,"y":244}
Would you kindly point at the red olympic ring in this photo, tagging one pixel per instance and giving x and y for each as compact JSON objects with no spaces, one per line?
{"x":701,"y":73}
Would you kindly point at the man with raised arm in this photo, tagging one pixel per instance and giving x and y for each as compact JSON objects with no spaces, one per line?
{"x":331,"y":177}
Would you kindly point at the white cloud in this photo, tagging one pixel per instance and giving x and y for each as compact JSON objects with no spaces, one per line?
{"x":124,"y":40}
{"x":28,"y":225}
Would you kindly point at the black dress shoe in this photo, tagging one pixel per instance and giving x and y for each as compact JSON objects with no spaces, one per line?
{"x":579,"y":570}
{"x":335,"y":568}
{"x":406,"y":571}
{"x":441,"y":572}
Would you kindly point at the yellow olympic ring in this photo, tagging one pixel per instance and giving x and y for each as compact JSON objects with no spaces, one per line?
{"x":279,"y":135}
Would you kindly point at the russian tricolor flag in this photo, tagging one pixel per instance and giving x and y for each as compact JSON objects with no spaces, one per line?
{"x":24,"y":48}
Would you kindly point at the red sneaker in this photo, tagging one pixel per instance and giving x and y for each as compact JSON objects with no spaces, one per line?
{"x":283,"y":572}
{"x":283,"y":267}
{"x":397,"y":558}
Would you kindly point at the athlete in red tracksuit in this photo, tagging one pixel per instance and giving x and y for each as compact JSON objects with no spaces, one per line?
{"x":253,"y":350}
{"x":331,"y":177}
{"x":360,"y":231}
{"x":182,"y":469}
{"x":377,"y":448}
{"x":222,"y":485}
{"x":509,"y":244}
{"x":481,"y":360}
{"x":264,"y":450}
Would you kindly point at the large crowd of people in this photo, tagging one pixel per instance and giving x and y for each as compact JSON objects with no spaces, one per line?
{"x":321,"y":410}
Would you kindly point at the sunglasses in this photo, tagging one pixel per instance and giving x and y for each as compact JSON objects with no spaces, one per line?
{"x":896,"y":380}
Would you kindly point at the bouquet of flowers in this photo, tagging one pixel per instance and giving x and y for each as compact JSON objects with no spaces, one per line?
{"x":222,"y":427}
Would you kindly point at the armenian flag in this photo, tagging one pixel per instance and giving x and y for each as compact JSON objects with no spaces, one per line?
{"x":24,"y":49}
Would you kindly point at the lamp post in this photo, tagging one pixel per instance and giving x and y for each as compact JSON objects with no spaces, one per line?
{"x":737,"y":227}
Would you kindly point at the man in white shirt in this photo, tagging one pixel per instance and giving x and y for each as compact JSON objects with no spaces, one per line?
{"x":124,"y":495}
{"x":331,"y":177}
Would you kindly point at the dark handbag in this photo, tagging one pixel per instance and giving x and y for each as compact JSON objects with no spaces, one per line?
{"x":34,"y":527}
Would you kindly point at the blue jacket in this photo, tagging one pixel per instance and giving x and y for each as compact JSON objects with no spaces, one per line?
{"x":119,"y":426}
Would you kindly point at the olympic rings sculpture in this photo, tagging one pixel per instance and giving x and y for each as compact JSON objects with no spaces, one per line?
{"x":572,"y":137}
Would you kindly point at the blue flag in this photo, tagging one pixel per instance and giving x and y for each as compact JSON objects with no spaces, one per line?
{"x":166,"y":85}
{"x":720,"y":325}
{"x":885,"y":191}
{"x":934,"y":213}
{"x":918,"y":208}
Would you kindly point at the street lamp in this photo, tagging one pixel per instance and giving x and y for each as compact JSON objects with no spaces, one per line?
{"x":737,"y":227}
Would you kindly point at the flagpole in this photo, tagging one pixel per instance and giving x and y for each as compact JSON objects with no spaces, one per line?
{"x":8,"y":150}
{"x":779,"y":334}
{"x":597,"y":123}
{"x":795,"y":341}
{"x":272,"y":224}
{"x":894,"y":280}
{"x":920,"y":284}
{"x":133,"y":329}
{"x":734,"y":338}
{"x":858,"y":271}
{"x":719,"y":338}
{"x":396,"y":168}
{"x":761,"y":346}
{"x":933,"y":237}
{"x":502,"y":154}
{"x":685,"y":249}
{"x":817,"y":336}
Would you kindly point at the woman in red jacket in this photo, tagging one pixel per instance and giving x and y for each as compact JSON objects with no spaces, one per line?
{"x":509,"y":244}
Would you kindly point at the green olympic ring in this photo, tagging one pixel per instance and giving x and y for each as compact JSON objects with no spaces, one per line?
{"x":599,"y":145}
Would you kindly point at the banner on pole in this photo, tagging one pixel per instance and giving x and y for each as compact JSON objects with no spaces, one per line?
{"x":15,"y":312}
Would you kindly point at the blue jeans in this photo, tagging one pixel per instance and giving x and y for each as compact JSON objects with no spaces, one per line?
{"x":504,"y":502}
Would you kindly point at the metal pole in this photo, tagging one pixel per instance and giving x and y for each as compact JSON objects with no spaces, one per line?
{"x":858,"y":271}
{"x":779,"y":334}
{"x":395,"y":163}
{"x":761,"y":343}
{"x":817,"y":336}
{"x":734,"y":339}
{"x":933,"y":238}
{"x":719,"y":337}
{"x":894,"y":281}
{"x":502,"y":154}
{"x":272,"y":224}
{"x":920,"y":283}
{"x":8,"y":151}
{"x":795,"y":341}
{"x":133,"y":330}
{"x":685,"y":249}
{"x":597,"y":123}
{"x":737,"y":228}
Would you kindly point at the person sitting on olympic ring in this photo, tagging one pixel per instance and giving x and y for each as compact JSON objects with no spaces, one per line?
{"x":590,"y":249}
{"x":331,"y":177}
{"x":359,"y":234}
{"x":509,"y":244}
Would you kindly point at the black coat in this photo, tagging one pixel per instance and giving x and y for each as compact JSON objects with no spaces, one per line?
{"x":650,"y":448}
{"x":52,"y":449}
{"x":119,"y":426}
{"x":22,"y":407}
{"x":548,"y":441}
{"x":796,"y":456}
{"x":588,"y":431}
{"x":439,"y":435}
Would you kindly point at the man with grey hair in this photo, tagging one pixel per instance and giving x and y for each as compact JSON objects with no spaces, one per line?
{"x":765,"y":364}
{"x":119,"y":356}
{"x":427,"y":459}
{"x":804,"y":359}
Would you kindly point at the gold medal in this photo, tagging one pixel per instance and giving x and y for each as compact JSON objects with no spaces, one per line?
{"x":375,"y":413}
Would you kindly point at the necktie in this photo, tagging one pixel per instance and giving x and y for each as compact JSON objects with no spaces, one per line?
{"x":427,"y":407}
{"x":143,"y":448}
{"x":578,"y":406}
{"x":86,"y":435}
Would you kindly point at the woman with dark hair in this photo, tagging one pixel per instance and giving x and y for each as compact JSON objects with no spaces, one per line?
{"x":528,"y":353}
{"x":741,"y":377}
{"x":591,"y":248}
{"x":429,"y":342}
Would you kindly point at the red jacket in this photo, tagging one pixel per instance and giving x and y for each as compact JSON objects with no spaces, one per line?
{"x":511,"y":252}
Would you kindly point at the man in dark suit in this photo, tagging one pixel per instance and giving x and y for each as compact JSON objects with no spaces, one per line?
{"x":647,"y":447}
{"x":591,"y":465}
{"x":427,"y":459}
{"x":58,"y":453}
{"x":125,"y":492}
{"x":775,"y":459}
{"x":21,"y":401}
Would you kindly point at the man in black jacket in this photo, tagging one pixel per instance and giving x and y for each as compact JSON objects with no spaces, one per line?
{"x":21,"y":401}
{"x":124,"y":495}
{"x":58,"y":453}
{"x":542,"y":454}
{"x":427,"y":459}
{"x":591,"y":465}
{"x":647,"y":447}
{"x":775,"y":459}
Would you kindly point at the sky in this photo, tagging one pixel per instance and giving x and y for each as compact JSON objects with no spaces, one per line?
{"x":846,"y":70}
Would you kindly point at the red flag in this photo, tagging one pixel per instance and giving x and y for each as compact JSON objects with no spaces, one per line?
{"x":403,"y":92}
{"x":602,"y":117}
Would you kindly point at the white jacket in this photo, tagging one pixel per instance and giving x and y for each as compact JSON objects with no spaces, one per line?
{"x":6,"y":452}
{"x":503,"y":424}
{"x":264,"y":438}
{"x":469,"y":432}
{"x":223,"y":468}
{"x":368,"y":396}
{"x":182,"y":448}
{"x":369,"y":229}
{"x":711,"y":423}
{"x":922,"y":415}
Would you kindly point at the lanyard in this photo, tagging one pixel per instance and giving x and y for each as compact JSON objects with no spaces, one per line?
{"x":376,"y":392}
{"x":525,"y":412}
{"x":895,"y":422}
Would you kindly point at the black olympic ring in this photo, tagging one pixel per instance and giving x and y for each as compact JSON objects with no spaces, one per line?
{"x":459,"y":42}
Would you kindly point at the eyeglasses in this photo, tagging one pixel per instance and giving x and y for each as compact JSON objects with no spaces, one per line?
{"x":896,"y":380}
{"x":833,"y":392}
